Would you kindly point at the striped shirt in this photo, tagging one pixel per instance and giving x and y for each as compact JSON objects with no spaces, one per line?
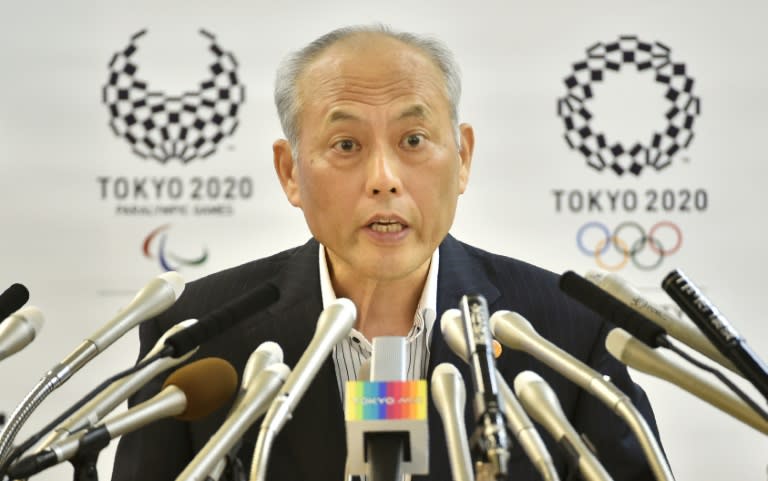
{"x":350,"y":352}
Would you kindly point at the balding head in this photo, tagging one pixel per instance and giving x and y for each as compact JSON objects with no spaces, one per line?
{"x":288,"y":95}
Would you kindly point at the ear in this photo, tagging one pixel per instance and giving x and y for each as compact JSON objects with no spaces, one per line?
{"x":287,"y":171}
{"x":466,"y":147}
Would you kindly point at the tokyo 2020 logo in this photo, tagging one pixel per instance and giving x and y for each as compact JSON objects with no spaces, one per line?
{"x":598,"y":148}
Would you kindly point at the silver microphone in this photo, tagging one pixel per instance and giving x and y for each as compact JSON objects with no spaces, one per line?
{"x":542,"y":404}
{"x":19,"y":329}
{"x":514,"y":331}
{"x":334,"y":323}
{"x":265,"y":355}
{"x":517,"y":420}
{"x":379,"y":448}
{"x":155,"y":297}
{"x":108,"y":399}
{"x":449,"y":396}
{"x":637,"y":355}
{"x":685,"y":332}
{"x":254,"y":402}
{"x":189,"y":393}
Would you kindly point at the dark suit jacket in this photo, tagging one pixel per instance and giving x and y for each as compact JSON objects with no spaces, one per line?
{"x":312,"y":445}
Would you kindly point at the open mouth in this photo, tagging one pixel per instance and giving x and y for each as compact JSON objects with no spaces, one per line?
{"x":385,"y":225}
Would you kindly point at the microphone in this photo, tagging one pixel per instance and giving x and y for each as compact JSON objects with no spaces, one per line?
{"x":637,"y":355}
{"x":542,"y":404}
{"x":223,"y":318}
{"x":677,"y":328}
{"x":449,"y":396}
{"x":264,"y":374}
{"x":613,"y":310}
{"x":386,"y":417}
{"x":108,"y":399}
{"x":189,"y":393}
{"x":517,"y":420}
{"x":334,"y":323}
{"x":266,"y":354}
{"x":12,"y":299}
{"x":717,"y":328}
{"x":155,"y":297}
{"x":489,"y":441}
{"x":514,"y":331}
{"x":19,"y":329}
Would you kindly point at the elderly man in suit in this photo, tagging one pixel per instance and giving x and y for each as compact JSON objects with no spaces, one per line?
{"x":376,"y":159}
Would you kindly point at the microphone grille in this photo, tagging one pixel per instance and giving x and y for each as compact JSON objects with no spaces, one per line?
{"x":34,"y":316}
{"x":208,"y":383}
{"x":524,"y":379}
{"x":175,"y":281}
{"x":451,"y":325}
{"x":446,"y":369}
{"x":616,"y":342}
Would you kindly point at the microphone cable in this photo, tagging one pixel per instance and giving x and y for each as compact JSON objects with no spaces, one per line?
{"x":719,"y":375}
{"x":639,"y":326}
{"x":23,"y":447}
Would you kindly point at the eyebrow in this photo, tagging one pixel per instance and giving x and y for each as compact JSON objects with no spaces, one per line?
{"x":417,"y":111}
{"x":414,"y":111}
{"x":339,"y":115}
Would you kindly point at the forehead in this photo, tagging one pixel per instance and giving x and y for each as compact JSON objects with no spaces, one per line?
{"x":373,"y":69}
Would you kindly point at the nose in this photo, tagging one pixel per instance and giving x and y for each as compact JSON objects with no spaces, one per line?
{"x":383,"y":175}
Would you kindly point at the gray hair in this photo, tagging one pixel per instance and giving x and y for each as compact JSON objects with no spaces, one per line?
{"x":289,"y":71}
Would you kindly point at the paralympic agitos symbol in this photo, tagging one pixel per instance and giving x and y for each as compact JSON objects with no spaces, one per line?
{"x":666,"y":141}
{"x":154,"y":247}
{"x":629,"y":240}
{"x":164,"y":127}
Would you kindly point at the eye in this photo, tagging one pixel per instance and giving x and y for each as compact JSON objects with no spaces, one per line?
{"x":346,"y":145}
{"x":413,"y":140}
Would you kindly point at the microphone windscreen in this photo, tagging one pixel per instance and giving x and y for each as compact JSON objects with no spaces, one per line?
{"x":610,"y":308}
{"x":207,"y":384}
{"x":223,"y":318}
{"x":12,"y":299}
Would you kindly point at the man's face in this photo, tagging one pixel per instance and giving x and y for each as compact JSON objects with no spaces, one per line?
{"x":378,"y":169}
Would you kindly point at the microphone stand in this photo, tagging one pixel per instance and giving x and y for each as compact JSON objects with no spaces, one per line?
{"x":231,"y":470}
{"x":84,"y":462}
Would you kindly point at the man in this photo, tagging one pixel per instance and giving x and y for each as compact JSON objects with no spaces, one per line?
{"x":376,"y":160}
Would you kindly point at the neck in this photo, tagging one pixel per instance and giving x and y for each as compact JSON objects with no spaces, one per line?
{"x":384,"y":307}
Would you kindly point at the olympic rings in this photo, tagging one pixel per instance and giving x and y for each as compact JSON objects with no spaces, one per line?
{"x":629,"y":250}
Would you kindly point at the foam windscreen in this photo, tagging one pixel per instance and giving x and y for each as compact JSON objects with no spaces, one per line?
{"x":208,"y":384}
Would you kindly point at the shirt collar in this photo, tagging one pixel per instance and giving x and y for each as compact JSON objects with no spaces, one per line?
{"x":427,"y":303}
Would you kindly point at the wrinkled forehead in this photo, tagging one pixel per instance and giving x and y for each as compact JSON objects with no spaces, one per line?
{"x":369,"y":63}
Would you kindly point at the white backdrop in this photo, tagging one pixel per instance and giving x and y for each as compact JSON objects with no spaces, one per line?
{"x":76,"y":241}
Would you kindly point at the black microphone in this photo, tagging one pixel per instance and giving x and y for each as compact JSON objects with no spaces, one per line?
{"x":13,"y":299}
{"x":612,"y":309}
{"x":490,"y":443}
{"x":222,"y":319}
{"x":717,"y":328}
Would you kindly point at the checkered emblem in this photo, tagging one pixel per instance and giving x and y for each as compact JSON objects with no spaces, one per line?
{"x":597,"y":148}
{"x":164,"y":127}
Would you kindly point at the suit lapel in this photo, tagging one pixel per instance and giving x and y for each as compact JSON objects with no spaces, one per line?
{"x":459,"y":274}
{"x":318,"y":419}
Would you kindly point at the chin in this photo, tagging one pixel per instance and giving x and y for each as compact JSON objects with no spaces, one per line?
{"x":393,"y":269}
